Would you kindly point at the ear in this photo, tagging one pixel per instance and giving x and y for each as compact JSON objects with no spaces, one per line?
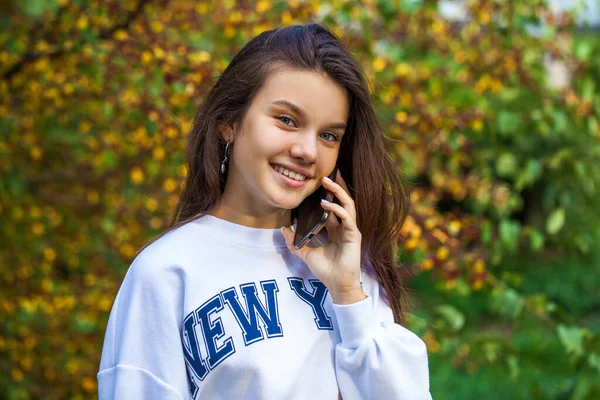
{"x":227,"y":131}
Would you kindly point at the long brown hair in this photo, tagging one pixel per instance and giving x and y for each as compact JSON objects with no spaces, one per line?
{"x":380,"y":194}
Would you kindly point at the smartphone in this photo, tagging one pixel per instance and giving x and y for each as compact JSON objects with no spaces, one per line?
{"x":310,"y":217}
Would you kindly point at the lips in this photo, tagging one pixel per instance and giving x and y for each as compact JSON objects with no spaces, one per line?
{"x":291,"y":174}
{"x":286,"y":180}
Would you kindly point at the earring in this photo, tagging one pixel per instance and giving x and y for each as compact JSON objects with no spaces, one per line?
{"x":224,"y":163}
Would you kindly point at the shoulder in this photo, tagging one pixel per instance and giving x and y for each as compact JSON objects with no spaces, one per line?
{"x":170,"y":254}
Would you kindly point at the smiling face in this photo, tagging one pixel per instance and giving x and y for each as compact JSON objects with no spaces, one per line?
{"x":287,"y":141}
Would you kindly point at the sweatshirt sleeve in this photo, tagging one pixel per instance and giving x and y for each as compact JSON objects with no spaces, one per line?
{"x":142,"y":356}
{"x":377,"y":358}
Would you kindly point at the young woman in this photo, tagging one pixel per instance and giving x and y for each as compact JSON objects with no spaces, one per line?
{"x":222,"y":306}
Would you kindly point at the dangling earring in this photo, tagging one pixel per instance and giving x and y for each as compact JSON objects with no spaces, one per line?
{"x":224,"y":163}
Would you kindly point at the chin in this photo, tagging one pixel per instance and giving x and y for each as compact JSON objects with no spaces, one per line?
{"x":288,"y":204}
{"x":289,"y":201}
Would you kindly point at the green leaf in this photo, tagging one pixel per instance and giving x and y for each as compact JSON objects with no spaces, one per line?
{"x":487,"y":232}
{"x":108,"y":224}
{"x":109,"y":159}
{"x":594,"y":361}
{"x":84,"y":324}
{"x":560,"y":120}
{"x":507,"y":302}
{"x":416,"y":324}
{"x":571,"y":338}
{"x":529,"y":175}
{"x":592,"y":123}
{"x":555,"y":221}
{"x":410,"y":6}
{"x":509,"y":233}
{"x":588,"y":88}
{"x":506,"y":165}
{"x":583,"y":50}
{"x":36,"y":8}
{"x":491,"y":351}
{"x":508,"y":122}
{"x":452,"y":315}
{"x":157,"y":84}
{"x":536,"y":240}
{"x":513,"y":367}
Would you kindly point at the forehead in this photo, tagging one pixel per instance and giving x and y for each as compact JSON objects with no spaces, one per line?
{"x":315,"y":93}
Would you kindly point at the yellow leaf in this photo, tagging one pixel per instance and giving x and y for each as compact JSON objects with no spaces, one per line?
{"x":262,"y":6}
{"x":82,"y":22}
{"x":38,"y":229}
{"x":49,"y":254}
{"x":36,"y":153}
{"x":121,"y":35}
{"x":286,"y":18}
{"x":158,"y":153}
{"x":401,"y":117}
{"x":156,"y":223}
{"x":17,"y":375}
{"x":137,"y":175}
{"x":427,"y":264}
{"x":442,"y":253}
{"x":156,"y":26}
{"x":151,"y":204}
{"x":379,"y":64}
{"x":201,"y":8}
{"x":169,"y":185}
{"x":402,"y":69}
{"x":88,"y":384}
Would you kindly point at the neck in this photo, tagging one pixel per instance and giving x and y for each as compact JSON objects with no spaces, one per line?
{"x":275,"y":219}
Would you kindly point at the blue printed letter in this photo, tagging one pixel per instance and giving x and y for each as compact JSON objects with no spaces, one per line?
{"x":191,"y":351}
{"x":213,"y":330}
{"x":247,"y":317}
{"x":314,"y":299}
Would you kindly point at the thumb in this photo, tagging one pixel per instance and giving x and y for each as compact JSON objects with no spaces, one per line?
{"x":288,"y":235}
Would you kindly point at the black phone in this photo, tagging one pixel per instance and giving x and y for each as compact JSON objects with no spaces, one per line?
{"x":309,"y":216}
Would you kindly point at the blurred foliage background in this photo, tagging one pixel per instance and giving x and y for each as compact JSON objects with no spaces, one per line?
{"x":494,"y":118}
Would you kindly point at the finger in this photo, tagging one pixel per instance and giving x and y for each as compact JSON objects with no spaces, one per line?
{"x":340,"y":181}
{"x":343,"y":196}
{"x":332,"y":226}
{"x":288,"y":235}
{"x":332,"y":221}
{"x":347,"y":221}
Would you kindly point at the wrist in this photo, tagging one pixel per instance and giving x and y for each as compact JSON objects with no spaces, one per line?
{"x":347,"y":296}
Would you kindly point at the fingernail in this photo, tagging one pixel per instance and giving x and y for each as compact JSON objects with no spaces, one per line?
{"x":325,"y":201}
{"x":293,"y":228}
{"x":328,"y":180}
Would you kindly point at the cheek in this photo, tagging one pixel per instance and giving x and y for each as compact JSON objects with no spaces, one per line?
{"x":272,"y":143}
{"x":327,"y":164}
{"x":255,"y":149}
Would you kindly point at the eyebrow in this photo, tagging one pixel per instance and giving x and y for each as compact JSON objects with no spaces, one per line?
{"x":302,"y":114}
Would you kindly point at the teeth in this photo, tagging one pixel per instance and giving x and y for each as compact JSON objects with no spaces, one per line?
{"x":291,"y":174}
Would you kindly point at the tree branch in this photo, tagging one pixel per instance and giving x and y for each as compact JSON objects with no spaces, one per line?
{"x":32,"y":56}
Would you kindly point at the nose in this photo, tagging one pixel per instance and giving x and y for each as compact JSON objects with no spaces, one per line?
{"x":305,"y":147}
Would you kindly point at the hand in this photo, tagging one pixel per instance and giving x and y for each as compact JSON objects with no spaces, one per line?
{"x":336,"y":265}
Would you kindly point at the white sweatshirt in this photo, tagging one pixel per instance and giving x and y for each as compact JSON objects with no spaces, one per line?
{"x":216,"y":310}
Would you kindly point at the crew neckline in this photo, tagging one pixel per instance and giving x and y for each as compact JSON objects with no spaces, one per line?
{"x":242,"y":234}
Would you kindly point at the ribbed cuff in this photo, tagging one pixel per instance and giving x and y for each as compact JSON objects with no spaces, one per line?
{"x":355,"y":322}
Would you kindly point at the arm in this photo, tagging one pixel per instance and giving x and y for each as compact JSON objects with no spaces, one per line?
{"x":377,"y":358}
{"x":142,"y":357}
